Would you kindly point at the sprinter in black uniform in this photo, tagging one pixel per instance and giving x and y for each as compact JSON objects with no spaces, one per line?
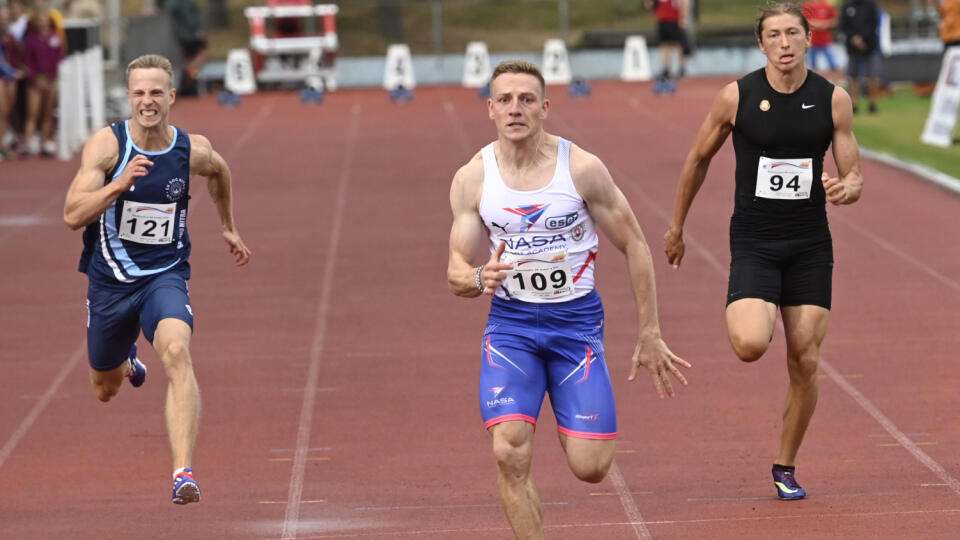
{"x":783,"y":118}
{"x":131,"y":196}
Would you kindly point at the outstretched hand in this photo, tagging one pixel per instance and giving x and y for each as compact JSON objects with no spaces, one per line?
{"x":240,"y":252}
{"x":492,"y":276}
{"x":661,"y":363}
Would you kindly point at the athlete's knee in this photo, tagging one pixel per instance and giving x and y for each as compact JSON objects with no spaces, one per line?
{"x":513,"y":452}
{"x":748,"y":348}
{"x":105,"y":391}
{"x":803,"y":366}
{"x":592,"y":472}
{"x":175,"y":353}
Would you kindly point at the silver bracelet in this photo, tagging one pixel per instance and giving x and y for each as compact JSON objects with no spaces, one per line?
{"x":480,"y":286}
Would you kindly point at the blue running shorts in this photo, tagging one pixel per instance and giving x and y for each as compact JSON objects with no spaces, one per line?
{"x":530,"y":349}
{"x":116,"y":316}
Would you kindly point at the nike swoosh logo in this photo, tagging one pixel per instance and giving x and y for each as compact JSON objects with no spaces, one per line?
{"x":785,"y":488}
{"x":805,"y":106}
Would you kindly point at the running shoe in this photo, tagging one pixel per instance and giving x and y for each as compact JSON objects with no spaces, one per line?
{"x":138,"y":371}
{"x":185,"y":488}
{"x":787,"y":487}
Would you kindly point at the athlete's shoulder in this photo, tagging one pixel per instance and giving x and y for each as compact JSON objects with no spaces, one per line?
{"x":102,"y":149}
{"x":583,"y":162}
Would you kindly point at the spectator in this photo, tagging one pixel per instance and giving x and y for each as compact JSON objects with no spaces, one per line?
{"x":18,"y":20}
{"x":822,"y":17}
{"x":188,"y":29}
{"x":12,"y":52}
{"x":859,"y":21}
{"x":43,"y":49}
{"x":949,"y":22}
{"x":671,"y":25}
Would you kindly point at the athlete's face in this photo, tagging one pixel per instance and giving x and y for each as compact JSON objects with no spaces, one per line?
{"x":784,"y":41}
{"x":517,"y":105}
{"x":150,"y":94}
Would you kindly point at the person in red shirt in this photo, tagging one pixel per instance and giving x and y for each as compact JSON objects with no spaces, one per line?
{"x":671,"y":22}
{"x":822,"y":17}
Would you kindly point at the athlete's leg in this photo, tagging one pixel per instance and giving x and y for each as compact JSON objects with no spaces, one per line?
{"x":513,"y":450}
{"x":106,"y":384}
{"x":589,"y":459}
{"x":805,"y":328}
{"x":750,"y":324}
{"x":172,"y":343}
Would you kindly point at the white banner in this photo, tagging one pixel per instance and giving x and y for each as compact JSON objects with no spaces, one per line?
{"x":946,"y":100}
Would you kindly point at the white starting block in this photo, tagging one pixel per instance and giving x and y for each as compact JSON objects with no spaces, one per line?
{"x":304,"y":54}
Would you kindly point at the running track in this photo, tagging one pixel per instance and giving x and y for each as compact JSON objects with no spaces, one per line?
{"x":339,"y":375}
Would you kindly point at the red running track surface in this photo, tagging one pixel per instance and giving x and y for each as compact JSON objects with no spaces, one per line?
{"x":339,"y":374}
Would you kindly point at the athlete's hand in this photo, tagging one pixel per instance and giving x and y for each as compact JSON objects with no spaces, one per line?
{"x":240,"y":252}
{"x":836,"y":190}
{"x":673,"y":246}
{"x":654,"y":355}
{"x":136,"y":168}
{"x":493,"y":272}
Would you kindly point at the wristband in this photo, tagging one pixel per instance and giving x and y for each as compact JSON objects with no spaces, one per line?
{"x":479,"y":281}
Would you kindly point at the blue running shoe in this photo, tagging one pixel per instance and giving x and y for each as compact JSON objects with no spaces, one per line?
{"x":185,"y":488}
{"x":787,"y":487}
{"x":138,"y":371}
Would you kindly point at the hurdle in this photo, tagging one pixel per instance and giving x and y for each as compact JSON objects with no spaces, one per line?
{"x":303,"y":55}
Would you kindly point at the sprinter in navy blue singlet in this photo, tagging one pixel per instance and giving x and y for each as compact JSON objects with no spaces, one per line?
{"x":130,"y":196}
{"x":783,"y":118}
{"x":540,"y":200}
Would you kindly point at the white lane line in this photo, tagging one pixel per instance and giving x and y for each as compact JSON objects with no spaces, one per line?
{"x":899,"y":253}
{"x":892,"y":429}
{"x":41,"y":405}
{"x":629,"y":506}
{"x":458,"y":533}
{"x":292,"y":514}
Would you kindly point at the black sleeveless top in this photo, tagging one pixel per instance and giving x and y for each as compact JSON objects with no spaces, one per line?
{"x":781,"y":126}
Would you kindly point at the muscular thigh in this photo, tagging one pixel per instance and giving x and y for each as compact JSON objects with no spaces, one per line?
{"x":808,"y":277}
{"x":165,"y":297}
{"x":513,"y":377}
{"x":579,"y":384}
{"x":112,"y":326}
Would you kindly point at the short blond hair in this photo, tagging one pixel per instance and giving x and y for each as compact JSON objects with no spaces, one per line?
{"x":151,"y":61}
{"x":519,"y":66}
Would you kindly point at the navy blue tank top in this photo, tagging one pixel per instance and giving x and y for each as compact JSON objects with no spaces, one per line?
{"x":144,"y":232}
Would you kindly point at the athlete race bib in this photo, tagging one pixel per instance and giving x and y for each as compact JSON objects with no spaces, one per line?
{"x":545,"y":275}
{"x":147,"y":223}
{"x":788,"y":179}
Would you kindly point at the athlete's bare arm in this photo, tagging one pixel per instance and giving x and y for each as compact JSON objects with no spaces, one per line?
{"x":205,"y":161}
{"x":89,"y":194}
{"x":846,"y":188}
{"x":713,"y":133}
{"x":612,"y":214}
{"x":466,"y":234}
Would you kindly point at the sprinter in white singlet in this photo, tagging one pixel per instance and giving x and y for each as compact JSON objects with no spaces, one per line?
{"x":539,"y":199}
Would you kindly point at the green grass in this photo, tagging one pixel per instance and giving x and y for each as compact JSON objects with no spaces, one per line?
{"x":896,"y":130}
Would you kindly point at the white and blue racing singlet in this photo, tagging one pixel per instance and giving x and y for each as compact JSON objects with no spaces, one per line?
{"x":550,"y":237}
{"x":144,"y":232}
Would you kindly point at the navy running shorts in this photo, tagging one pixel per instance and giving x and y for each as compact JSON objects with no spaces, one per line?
{"x":530,"y":349}
{"x":792,"y":272}
{"x":116,"y":316}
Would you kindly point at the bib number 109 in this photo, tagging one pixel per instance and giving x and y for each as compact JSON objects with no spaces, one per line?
{"x":539,"y":282}
{"x":540,"y":278}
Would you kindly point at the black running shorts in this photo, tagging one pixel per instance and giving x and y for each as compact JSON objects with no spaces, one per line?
{"x":791,"y":272}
